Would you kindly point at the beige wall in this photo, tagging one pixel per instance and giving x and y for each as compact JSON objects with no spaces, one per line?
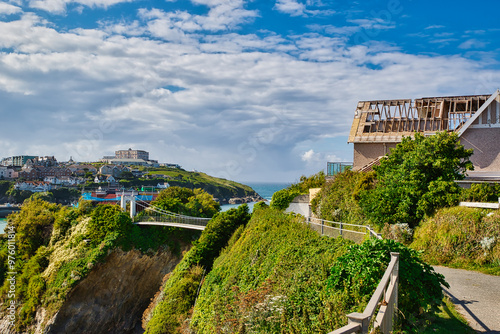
{"x":364,"y":153}
{"x":486,"y":145}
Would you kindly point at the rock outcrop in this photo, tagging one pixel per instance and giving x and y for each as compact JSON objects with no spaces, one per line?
{"x":112,"y":298}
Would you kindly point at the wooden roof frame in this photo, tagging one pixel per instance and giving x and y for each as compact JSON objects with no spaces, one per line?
{"x":478,"y":112}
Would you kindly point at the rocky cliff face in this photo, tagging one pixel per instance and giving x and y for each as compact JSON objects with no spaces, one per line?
{"x":113,"y":297}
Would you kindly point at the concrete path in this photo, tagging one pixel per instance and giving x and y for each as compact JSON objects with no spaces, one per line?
{"x":476,"y":296}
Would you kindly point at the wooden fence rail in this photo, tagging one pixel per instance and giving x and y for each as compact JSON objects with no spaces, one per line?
{"x":333,"y":229}
{"x":385,"y":299}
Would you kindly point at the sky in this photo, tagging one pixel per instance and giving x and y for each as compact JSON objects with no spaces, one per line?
{"x":247,"y":90}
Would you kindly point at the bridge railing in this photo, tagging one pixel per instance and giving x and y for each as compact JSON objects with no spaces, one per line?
{"x":333,"y":229}
{"x":168,"y":218}
{"x":155,"y":214}
{"x":385,"y":299}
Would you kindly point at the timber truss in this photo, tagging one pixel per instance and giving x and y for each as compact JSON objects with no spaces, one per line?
{"x":390,"y":120}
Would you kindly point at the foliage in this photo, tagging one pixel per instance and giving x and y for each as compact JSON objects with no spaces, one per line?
{"x":33,"y":225}
{"x":107,"y":219}
{"x":415,"y":168}
{"x":481,"y":192}
{"x":337,"y":200}
{"x":4,"y":187}
{"x":314,"y":181}
{"x":357,"y":273}
{"x":18,"y":196}
{"x":461,"y":237}
{"x":54,"y":253}
{"x":217,"y":187}
{"x":282,"y":198}
{"x":260,"y":205}
{"x":197,"y":202}
{"x":271,"y":279}
{"x":180,"y":289}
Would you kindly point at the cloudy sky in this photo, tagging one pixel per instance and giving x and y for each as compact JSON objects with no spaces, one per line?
{"x":250,"y":90}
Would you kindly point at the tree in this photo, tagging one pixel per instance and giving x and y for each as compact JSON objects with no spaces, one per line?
{"x":413,"y":171}
{"x":189,"y":202}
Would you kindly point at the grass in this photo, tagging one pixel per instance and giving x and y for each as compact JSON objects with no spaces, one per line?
{"x":448,"y":320}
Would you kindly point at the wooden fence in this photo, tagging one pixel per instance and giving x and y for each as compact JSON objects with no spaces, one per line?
{"x":333,"y":229}
{"x":385,"y":299}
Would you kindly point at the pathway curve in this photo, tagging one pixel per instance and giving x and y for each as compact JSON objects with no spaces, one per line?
{"x":477,"y":297}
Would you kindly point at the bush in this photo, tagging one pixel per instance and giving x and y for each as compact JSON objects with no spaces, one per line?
{"x":357,"y":273}
{"x":105,"y":219}
{"x":180,"y":289}
{"x":461,"y":237}
{"x":481,"y":192}
{"x":416,"y":178}
{"x":33,"y":225}
{"x":197,"y":202}
{"x":338,"y":199}
{"x":282,"y":198}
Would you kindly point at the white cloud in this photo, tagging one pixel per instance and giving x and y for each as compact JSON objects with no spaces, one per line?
{"x":249,"y":103}
{"x":472,"y":44}
{"x":292,"y":7}
{"x":296,"y":8}
{"x":435,"y":26}
{"x":8,"y":9}
{"x":60,"y":6}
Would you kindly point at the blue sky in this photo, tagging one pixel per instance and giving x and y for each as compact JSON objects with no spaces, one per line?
{"x":246,"y":90}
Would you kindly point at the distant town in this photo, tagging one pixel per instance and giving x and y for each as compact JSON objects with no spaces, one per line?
{"x":44,"y":173}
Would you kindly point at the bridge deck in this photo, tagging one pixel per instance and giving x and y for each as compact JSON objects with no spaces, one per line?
{"x":188,"y":226}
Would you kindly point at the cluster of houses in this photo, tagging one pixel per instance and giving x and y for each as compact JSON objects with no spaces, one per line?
{"x":40,"y":174}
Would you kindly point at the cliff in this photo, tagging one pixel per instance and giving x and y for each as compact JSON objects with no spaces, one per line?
{"x":112,"y":298}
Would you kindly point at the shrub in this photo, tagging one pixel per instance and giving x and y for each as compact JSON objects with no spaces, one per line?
{"x":461,"y":237}
{"x":338,"y":199}
{"x":481,"y":192}
{"x":416,"y":178}
{"x":282,"y":198}
{"x":357,"y":273}
{"x":180,"y":289}
{"x":105,"y":219}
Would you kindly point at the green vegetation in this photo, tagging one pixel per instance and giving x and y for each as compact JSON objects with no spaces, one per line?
{"x":416,"y":179}
{"x":278,"y":276}
{"x":219,"y":188}
{"x":357,"y":273}
{"x":4,"y":188}
{"x":338,"y":199}
{"x":197,"y":203}
{"x":58,"y":247}
{"x":481,"y":192}
{"x":446,"y":321}
{"x":461,"y":237}
{"x":282,"y":198}
{"x":182,"y":285}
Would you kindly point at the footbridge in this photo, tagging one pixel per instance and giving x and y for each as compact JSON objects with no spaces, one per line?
{"x":152,"y":215}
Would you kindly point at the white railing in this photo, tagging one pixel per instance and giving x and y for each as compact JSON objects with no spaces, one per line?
{"x":385,"y":298}
{"x":333,"y":229}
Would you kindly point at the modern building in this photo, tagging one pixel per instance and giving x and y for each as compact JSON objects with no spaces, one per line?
{"x":378,"y":126}
{"x":17,"y":161}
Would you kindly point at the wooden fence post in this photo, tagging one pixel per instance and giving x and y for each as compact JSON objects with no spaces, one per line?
{"x":362,"y":319}
{"x":395,"y":280}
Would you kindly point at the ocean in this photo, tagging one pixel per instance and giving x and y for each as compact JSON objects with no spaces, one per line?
{"x":264,"y":189}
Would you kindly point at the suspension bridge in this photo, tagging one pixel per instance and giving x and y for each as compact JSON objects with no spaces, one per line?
{"x":152,"y":215}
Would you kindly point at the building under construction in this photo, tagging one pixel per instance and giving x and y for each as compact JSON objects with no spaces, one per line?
{"x":379,"y":125}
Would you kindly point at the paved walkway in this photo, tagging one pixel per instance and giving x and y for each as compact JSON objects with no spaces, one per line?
{"x":477,"y":297}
